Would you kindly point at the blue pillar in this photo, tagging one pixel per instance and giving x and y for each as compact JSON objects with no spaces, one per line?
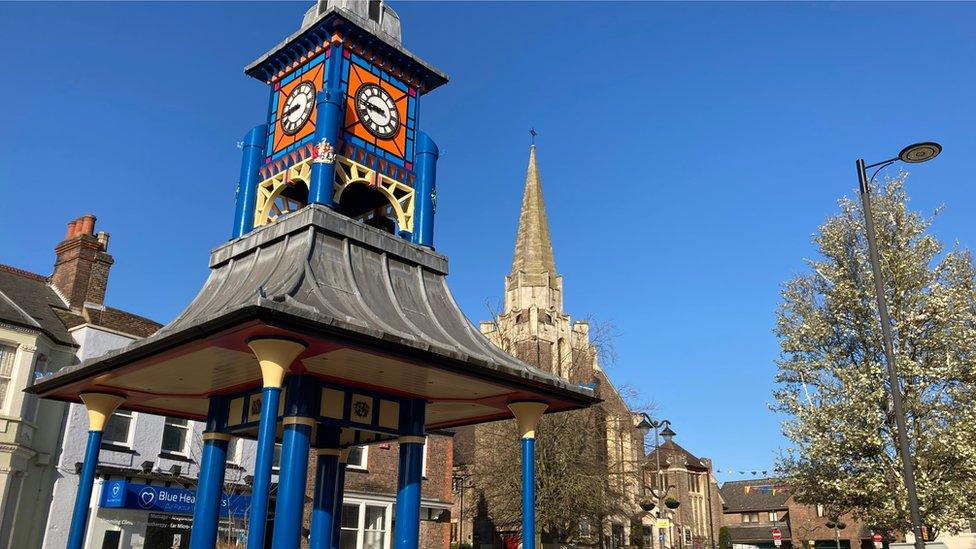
{"x":247,"y":187}
{"x":425,"y":191}
{"x":210,"y":489}
{"x":100,"y":407}
{"x":302,"y":393}
{"x":527,"y":415}
{"x":324,"y":496}
{"x":340,"y":489}
{"x":407,"y":531}
{"x":261,"y":489}
{"x":275,"y":355}
{"x":79,"y":518}
{"x":329,"y":105}
{"x":528,"y":493}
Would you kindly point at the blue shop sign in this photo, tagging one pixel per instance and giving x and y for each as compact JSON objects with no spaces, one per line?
{"x":121,"y":494}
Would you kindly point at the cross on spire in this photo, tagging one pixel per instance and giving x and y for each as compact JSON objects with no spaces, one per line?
{"x":533,"y":133}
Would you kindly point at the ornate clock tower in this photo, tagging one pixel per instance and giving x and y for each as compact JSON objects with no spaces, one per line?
{"x":342,"y":125}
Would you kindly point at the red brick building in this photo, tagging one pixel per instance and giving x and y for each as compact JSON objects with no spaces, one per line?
{"x":753,"y":508}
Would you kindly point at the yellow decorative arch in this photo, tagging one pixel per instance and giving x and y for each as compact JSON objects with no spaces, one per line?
{"x":273,"y":200}
{"x":399,"y":195}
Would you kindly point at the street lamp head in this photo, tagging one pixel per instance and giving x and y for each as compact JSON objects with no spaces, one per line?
{"x":920,"y":152}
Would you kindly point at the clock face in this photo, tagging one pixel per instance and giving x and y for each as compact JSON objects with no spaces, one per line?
{"x":297,"y":108}
{"x":377,"y":111}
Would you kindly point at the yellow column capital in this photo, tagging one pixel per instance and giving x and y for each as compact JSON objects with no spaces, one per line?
{"x":527,"y":416}
{"x":275,"y":356}
{"x":100,"y":407}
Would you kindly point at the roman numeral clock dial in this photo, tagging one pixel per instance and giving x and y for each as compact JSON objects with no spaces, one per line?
{"x":298,"y":107}
{"x":377,"y":111}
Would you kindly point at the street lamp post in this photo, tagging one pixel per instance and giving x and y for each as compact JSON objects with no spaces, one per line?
{"x":912,"y":154}
{"x":661,"y":491}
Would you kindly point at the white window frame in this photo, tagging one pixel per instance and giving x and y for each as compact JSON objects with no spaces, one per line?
{"x":747,"y":518}
{"x":821,"y":511}
{"x":275,"y":467}
{"x":773,"y":516}
{"x":361,"y":523}
{"x":363,"y":464}
{"x":423,"y":461}
{"x":234,"y":453}
{"x":129,"y":433}
{"x":185,"y":451}
{"x":11,"y":352}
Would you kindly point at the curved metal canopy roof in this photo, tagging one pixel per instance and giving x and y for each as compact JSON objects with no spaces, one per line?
{"x":375,"y":311}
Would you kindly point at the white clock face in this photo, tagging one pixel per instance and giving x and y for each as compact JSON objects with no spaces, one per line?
{"x":298,"y":107}
{"x":377,"y":111}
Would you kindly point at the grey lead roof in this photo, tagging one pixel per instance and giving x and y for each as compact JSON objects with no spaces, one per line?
{"x":317,"y":266}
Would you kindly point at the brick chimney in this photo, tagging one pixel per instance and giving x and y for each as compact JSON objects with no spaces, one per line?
{"x":82,"y":264}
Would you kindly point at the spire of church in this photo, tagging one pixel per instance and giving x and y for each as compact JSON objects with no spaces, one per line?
{"x":533,"y":245}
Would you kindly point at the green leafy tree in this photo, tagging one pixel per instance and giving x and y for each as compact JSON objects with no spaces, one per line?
{"x":832,"y":381}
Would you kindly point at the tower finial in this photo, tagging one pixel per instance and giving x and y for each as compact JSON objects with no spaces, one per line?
{"x":533,"y":133}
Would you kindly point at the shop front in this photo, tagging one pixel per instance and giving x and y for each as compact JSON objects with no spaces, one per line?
{"x":149,"y":516}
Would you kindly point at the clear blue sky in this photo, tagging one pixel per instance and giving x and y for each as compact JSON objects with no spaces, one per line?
{"x":688,"y":152}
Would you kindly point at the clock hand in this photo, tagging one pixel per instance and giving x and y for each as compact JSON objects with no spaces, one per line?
{"x":374,"y":108}
{"x":288,"y":112}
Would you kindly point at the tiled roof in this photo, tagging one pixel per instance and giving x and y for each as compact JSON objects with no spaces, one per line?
{"x":740,"y":533}
{"x":27,"y":300}
{"x":755,"y":495}
{"x":673,"y":454}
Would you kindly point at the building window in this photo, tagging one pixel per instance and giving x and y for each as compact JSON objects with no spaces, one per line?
{"x":7,"y":354}
{"x":750,"y":517}
{"x":773,"y":517}
{"x":694,"y":482}
{"x":357,"y":457}
{"x":176,"y":436}
{"x":276,"y":458}
{"x":820,"y":510}
{"x":364,"y":525}
{"x":234,"y":451}
{"x":118,"y":429}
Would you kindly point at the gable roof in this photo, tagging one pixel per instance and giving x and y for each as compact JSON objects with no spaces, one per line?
{"x":28,"y":301}
{"x":674,"y":454}
{"x":755,"y":495}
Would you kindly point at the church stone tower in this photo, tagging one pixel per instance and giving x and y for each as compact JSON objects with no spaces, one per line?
{"x":533,"y":325}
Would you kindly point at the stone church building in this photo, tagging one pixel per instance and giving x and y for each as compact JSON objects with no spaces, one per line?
{"x":534,"y":326}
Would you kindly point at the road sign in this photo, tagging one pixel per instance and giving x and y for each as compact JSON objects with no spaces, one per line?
{"x":877,"y":541}
{"x":663,"y":523}
{"x":777,"y":534}
{"x":777,"y":542}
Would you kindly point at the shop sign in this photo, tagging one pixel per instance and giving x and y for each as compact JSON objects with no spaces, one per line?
{"x":121,"y":494}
